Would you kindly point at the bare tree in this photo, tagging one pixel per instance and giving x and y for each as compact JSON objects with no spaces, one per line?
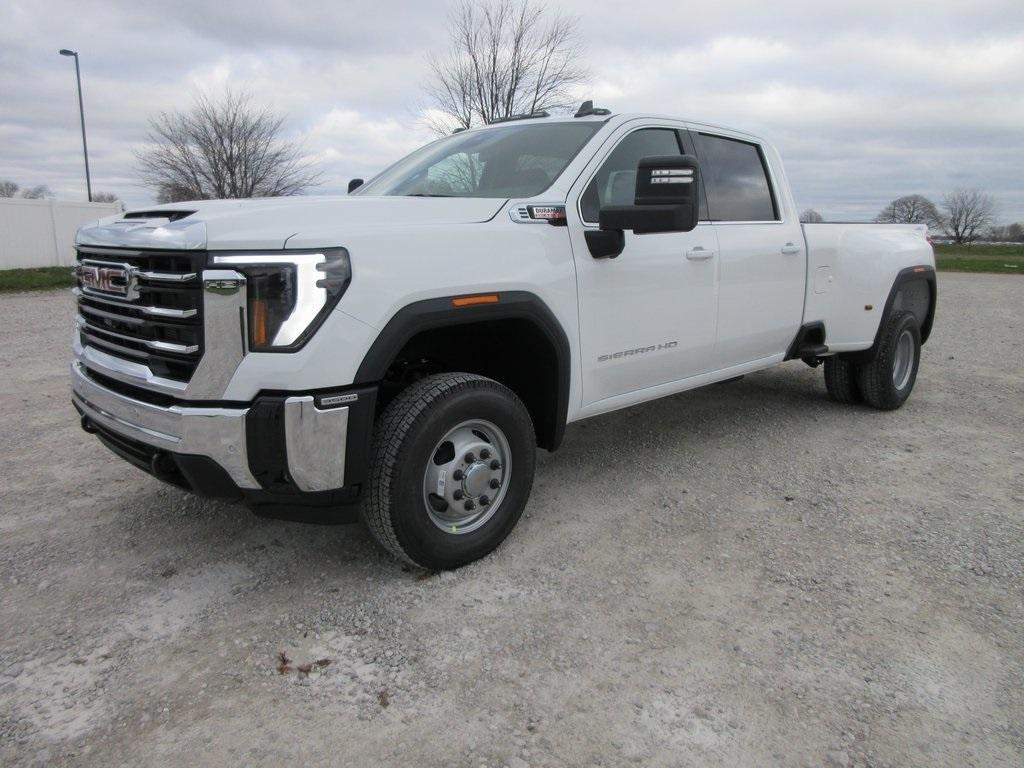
{"x":507,"y":57}
{"x":104,"y":197}
{"x":811,"y":216}
{"x":8,"y":188}
{"x":37,"y":192}
{"x":968,"y":212}
{"x":911,"y":209}
{"x":1008,"y":233}
{"x":222,"y":148}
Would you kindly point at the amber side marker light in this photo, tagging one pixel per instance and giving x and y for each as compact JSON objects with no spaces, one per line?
{"x":920,"y":269}
{"x":472,"y":301}
{"x":259,"y":322}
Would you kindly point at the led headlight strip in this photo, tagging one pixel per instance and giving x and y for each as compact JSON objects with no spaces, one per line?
{"x":289,"y":293}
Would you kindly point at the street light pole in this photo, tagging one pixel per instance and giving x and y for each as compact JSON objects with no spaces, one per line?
{"x":81,"y":113}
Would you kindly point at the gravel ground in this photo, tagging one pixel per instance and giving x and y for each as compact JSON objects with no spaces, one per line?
{"x":742,"y":575}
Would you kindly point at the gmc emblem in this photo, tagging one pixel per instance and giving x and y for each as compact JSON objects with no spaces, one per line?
{"x":118,"y":279}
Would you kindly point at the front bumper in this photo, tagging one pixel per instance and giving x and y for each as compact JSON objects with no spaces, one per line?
{"x":311,"y":446}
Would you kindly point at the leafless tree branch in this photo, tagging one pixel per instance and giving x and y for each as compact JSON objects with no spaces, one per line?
{"x":222,"y":148}
{"x":968,"y":213}
{"x":911,"y":209}
{"x":507,"y":57}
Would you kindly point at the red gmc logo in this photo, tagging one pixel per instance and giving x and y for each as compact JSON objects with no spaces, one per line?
{"x":107,"y":278}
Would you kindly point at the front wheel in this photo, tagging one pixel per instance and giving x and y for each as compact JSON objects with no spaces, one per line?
{"x":887,"y":380}
{"x":452,"y":468}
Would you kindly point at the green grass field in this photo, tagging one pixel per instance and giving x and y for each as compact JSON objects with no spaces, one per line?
{"x":981,"y":258}
{"x":956,"y":258}
{"x":35,"y":279}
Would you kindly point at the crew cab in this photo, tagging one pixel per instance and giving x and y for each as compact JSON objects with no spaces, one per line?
{"x":399,"y":353}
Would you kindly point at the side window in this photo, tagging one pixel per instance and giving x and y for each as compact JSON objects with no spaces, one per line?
{"x":735,"y":179}
{"x":615,"y":182}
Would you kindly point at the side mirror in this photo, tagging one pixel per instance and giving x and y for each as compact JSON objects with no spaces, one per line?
{"x":665,"y":199}
{"x":354,"y":185}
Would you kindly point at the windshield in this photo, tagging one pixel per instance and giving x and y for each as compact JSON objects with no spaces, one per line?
{"x":511,"y":161}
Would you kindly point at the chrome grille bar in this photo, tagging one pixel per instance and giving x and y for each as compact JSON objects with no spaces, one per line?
{"x":178,"y":314}
{"x":161,"y":346}
{"x":168,"y":277}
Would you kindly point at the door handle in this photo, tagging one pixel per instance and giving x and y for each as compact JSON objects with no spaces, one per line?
{"x":699,"y":254}
{"x":790,"y":249}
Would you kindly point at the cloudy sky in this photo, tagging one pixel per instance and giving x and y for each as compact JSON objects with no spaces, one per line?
{"x":866,"y":100}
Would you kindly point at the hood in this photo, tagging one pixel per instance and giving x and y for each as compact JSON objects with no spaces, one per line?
{"x":265,"y":223}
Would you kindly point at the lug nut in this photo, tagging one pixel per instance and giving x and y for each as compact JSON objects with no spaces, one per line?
{"x":457,"y":495}
{"x":484,"y":501}
{"x":495,"y":464}
{"x":495,"y":483}
{"x":470,"y":505}
{"x":470,"y":457}
{"x":457,"y":474}
{"x":485,"y":454}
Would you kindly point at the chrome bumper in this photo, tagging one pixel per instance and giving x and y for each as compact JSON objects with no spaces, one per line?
{"x":314,"y":438}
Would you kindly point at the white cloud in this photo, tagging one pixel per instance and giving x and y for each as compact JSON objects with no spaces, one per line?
{"x":866,"y":100}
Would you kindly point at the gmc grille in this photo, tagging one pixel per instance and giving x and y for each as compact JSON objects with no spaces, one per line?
{"x":156,"y":318}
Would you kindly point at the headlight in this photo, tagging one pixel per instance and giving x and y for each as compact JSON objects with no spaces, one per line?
{"x":289,"y":294}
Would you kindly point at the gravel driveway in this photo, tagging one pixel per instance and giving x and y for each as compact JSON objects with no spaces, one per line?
{"x":743,"y":575}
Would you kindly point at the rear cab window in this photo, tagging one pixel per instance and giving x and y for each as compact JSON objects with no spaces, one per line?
{"x":736,"y":179}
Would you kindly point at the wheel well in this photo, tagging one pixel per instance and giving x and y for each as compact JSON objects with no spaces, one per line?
{"x":914,"y":290}
{"x":915,"y":296}
{"x":514,"y":351}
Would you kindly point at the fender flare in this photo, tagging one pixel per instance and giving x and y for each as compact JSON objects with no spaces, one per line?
{"x":924,"y":272}
{"x":441,"y":312}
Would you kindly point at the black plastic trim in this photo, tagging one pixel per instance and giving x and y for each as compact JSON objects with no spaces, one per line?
{"x":605,"y":243}
{"x":440,"y":313}
{"x":806,"y":330}
{"x":265,"y":439}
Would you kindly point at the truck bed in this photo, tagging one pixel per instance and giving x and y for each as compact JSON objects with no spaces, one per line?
{"x":850,"y":270}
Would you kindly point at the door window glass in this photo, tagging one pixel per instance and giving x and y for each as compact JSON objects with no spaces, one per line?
{"x":735,"y":180}
{"x":615,"y":182}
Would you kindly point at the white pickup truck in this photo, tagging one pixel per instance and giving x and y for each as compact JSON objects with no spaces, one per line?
{"x":410,"y":345}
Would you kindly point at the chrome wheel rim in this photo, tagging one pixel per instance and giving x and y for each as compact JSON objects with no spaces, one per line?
{"x":903,"y":361}
{"x":466,"y":476}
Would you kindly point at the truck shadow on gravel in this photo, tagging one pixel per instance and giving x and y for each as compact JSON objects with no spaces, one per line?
{"x":179,"y":530}
{"x":761,"y":406}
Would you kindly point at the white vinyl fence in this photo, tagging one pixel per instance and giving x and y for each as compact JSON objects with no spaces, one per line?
{"x":41,"y":233}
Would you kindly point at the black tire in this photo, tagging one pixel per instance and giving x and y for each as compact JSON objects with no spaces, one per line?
{"x":841,"y":381}
{"x":877,"y":378}
{"x":404,"y":441}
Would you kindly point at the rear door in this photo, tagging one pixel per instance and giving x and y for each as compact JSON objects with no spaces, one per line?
{"x":647,"y":317}
{"x":762,"y":268}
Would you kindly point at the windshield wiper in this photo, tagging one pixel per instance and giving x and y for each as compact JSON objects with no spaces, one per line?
{"x":423,"y":194}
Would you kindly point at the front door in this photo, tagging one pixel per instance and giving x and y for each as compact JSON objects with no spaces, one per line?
{"x":648,"y":316}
